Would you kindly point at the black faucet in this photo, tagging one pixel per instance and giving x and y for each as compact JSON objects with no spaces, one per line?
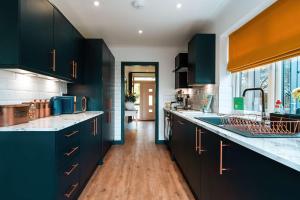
{"x":263,"y":112}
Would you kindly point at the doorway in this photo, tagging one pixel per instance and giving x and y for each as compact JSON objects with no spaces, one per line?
{"x":139,"y":84}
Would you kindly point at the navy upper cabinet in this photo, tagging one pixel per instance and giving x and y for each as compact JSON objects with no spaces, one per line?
{"x":201,"y":68}
{"x":38,"y":38}
{"x":181,"y":67}
{"x":26,"y":36}
{"x":36,"y":41}
{"x":64,"y":44}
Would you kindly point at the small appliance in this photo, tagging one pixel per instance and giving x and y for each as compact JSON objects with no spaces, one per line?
{"x":68,"y":105}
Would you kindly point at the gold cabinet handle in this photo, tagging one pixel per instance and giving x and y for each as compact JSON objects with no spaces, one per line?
{"x":75,"y":73}
{"x":196,"y":139}
{"x":73,"y":150}
{"x":222,"y":169}
{"x":71,"y":134}
{"x":73,"y":189}
{"x":73,"y":69}
{"x":53,"y":52}
{"x":200,"y":150}
{"x":68,"y":173}
{"x":96,"y":126}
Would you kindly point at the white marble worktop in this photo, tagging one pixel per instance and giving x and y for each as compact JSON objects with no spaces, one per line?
{"x":283,"y":150}
{"x":53,"y":123}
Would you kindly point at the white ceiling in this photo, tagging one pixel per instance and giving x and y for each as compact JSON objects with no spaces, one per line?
{"x":117,"y":22}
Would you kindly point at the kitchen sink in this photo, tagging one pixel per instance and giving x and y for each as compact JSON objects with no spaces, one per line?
{"x":249,"y":130}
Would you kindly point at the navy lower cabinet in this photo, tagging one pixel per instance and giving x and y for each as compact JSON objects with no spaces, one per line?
{"x":49,"y":165}
{"x":218,"y":169}
{"x":183,"y":147}
{"x":91,"y":143}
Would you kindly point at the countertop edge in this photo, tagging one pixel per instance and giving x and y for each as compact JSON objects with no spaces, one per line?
{"x":225,"y":133}
{"x":81,"y":118}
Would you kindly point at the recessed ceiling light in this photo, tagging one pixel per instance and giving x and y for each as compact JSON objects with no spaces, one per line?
{"x":140,"y":32}
{"x":96,"y":3}
{"x":179,"y":5}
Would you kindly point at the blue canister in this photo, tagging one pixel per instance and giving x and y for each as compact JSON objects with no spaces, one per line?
{"x":56,"y":105}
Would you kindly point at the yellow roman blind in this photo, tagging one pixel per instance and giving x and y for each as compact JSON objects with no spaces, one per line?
{"x":271,"y":36}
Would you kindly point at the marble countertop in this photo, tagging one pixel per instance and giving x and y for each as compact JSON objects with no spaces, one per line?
{"x":283,"y":150}
{"x":53,"y":123}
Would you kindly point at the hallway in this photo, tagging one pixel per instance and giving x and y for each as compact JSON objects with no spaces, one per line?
{"x":138,"y":170}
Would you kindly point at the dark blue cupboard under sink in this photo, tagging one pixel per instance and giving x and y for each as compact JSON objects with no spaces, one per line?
{"x":218,"y":169}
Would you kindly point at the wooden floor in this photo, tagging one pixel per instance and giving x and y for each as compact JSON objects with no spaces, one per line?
{"x":138,"y":170}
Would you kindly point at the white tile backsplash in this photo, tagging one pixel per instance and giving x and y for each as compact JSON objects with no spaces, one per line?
{"x":17,"y":88}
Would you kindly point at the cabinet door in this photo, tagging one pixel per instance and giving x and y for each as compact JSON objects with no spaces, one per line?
{"x":78,"y":60}
{"x":89,"y":150}
{"x":202,"y":59}
{"x":222,"y":186}
{"x":173,"y":142}
{"x":108,"y":83}
{"x":98,"y":137}
{"x":192,"y":60}
{"x":192,"y":168}
{"x":257,"y":177}
{"x":36,"y":20}
{"x":64,"y":45}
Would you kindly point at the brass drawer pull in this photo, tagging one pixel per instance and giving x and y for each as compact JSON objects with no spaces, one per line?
{"x":200,"y":150}
{"x":73,"y":189}
{"x":180,"y":122}
{"x":75,"y":66}
{"x":96,"y":126}
{"x":221,"y":157}
{"x":73,"y":69}
{"x":72,"y":151}
{"x":71,"y":134}
{"x":196,"y":139}
{"x":68,"y":173}
{"x":53,"y":60}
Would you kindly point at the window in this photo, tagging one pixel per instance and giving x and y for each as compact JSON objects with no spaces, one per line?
{"x":278,"y":81}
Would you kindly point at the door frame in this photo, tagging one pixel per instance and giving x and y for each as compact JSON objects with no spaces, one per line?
{"x":156,"y":65}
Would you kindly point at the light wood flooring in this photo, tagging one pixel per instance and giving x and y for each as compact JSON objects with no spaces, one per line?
{"x":138,"y":170}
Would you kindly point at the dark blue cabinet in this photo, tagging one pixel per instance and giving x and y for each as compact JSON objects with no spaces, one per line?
{"x":98,"y":85}
{"x":91,"y":145}
{"x":36,"y":34}
{"x":218,"y":169}
{"x":181,"y":68}
{"x":66,"y":46}
{"x":49,"y":165}
{"x":38,"y":38}
{"x":201,"y":59}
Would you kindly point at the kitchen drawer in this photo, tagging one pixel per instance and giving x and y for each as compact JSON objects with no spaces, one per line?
{"x":69,"y":181}
{"x":67,"y":136}
{"x":68,"y":155}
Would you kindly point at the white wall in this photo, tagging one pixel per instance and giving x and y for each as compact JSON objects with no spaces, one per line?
{"x":18,"y":88}
{"x":232,"y":16}
{"x":165,"y":57}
